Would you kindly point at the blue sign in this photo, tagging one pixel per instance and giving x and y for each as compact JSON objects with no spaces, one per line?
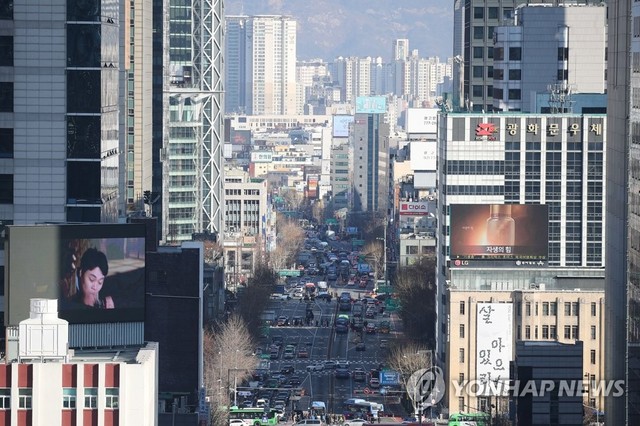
{"x":389,"y":378}
{"x":371,"y":105}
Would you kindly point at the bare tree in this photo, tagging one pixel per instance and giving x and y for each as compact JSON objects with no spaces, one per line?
{"x":255,"y":297}
{"x":228,"y":361}
{"x":409,"y":358}
{"x":290,"y":241}
{"x":292,"y":198}
{"x":416,"y":290}
{"x":374,"y":251}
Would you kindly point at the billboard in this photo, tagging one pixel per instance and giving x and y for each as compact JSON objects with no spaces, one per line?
{"x":96,"y":271}
{"x":341,"y":125}
{"x":498,"y":231}
{"x":240,"y":137}
{"x":424,"y":155}
{"x":371,"y":105}
{"x":494,"y":347}
{"x":421,"y":120}
{"x":261,"y":156}
{"x":414,"y":208}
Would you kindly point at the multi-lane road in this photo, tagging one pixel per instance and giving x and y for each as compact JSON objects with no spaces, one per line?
{"x":323,"y":344}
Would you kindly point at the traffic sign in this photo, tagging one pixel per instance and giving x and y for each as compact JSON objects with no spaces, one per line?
{"x":357,"y":242}
{"x":289,"y":273}
{"x":367,"y":391}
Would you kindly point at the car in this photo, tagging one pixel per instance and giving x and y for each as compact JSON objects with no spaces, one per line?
{"x":355,"y":422}
{"x":237,"y":422}
{"x":384,"y":327}
{"x":279,"y":405}
{"x":384,"y":344}
{"x":282,"y":321}
{"x":294,"y":380}
{"x":287,"y":369}
{"x":330,"y":365}
{"x":371,"y":313}
{"x":342,"y":329}
{"x":280,"y":296}
{"x":359,"y":375}
{"x":374,"y":383}
{"x":262,"y":402}
{"x":323,"y":296}
{"x":360,"y":346}
{"x":303,"y":353}
{"x":274,"y":354}
{"x":342,"y":373}
{"x":342,"y":364}
{"x":370,"y":328}
{"x":315,"y":367}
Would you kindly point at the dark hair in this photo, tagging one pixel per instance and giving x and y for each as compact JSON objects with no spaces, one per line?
{"x":93,"y":258}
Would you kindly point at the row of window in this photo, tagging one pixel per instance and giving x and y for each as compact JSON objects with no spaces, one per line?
{"x":69,"y":396}
{"x":548,"y":308}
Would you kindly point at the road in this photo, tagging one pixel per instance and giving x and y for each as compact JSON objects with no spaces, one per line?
{"x":323,"y":344}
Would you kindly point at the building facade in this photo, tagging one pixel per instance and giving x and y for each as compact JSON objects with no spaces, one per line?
{"x":539,"y":314}
{"x":192,"y":197}
{"x":565,"y":52}
{"x":623,"y":214}
{"x":340,"y":173}
{"x":553,"y":163}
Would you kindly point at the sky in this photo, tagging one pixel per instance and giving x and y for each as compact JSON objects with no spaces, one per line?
{"x":331,"y":28}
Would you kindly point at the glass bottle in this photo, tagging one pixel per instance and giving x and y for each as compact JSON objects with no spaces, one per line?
{"x":501,"y":228}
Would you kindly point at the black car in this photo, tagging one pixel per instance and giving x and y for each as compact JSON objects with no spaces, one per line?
{"x":360,"y":346}
{"x":342,"y":373}
{"x":287,"y":369}
{"x":294,"y":380}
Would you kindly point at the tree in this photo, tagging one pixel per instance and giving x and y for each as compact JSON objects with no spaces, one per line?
{"x":228,"y":361}
{"x":374,"y":252}
{"x":255,"y":297}
{"x":408,"y":358}
{"x":416,"y":291}
{"x":290,"y":241}
{"x":292,"y":198}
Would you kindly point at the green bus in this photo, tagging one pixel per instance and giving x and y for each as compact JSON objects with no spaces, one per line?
{"x":469,"y":419}
{"x":254,"y":416}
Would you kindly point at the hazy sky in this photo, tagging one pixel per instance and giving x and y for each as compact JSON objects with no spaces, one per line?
{"x":331,"y":28}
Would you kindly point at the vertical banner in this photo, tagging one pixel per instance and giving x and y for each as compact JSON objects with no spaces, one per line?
{"x":494,"y":347}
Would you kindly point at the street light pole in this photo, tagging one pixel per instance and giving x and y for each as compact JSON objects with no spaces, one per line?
{"x":385,"y":251}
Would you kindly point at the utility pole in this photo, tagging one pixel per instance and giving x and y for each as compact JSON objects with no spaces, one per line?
{"x":385,"y":251}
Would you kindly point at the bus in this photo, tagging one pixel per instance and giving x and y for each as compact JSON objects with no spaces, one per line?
{"x":469,"y":419}
{"x":254,"y":416}
{"x":357,"y":408}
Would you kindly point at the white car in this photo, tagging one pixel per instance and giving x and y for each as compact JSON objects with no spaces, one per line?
{"x":279,"y":296}
{"x":237,"y":422}
{"x":315,"y":367}
{"x":355,"y":422}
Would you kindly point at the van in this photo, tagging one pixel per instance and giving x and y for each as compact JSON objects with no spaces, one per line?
{"x":309,"y":422}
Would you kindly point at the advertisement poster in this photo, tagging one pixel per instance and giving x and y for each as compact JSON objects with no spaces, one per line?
{"x":499,"y":231}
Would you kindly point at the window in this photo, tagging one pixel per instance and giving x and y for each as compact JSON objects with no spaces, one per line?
{"x":545,"y":309}
{"x":575,"y":309}
{"x":593,"y":332}
{"x":493,"y":13}
{"x":478,"y":12}
{"x":514,"y":74}
{"x":91,"y":398}
{"x":567,"y":309}
{"x":519,"y":333}
{"x":477,"y":91}
{"x":515,"y":53}
{"x":477,"y":72}
{"x":593,"y":309}
{"x":545,"y":331}
{"x":537,"y":313}
{"x":519,"y":309}
{"x":461,"y":378}
{"x":563,"y":53}
{"x":6,"y":97}
{"x":562,"y":75}
{"x":6,"y":189}
{"x":593,"y":356}
{"x":6,"y":51}
{"x":478,"y":53}
{"x":462,"y":331}
{"x":527,"y":332}
{"x":553,"y":309}
{"x":461,"y":308}
{"x":461,"y":356}
{"x":514,"y":94}
{"x":552,"y":332}
{"x":478,"y":33}
{"x":535,"y":332}
{"x":497,"y":93}
{"x":528,"y":309}
{"x":498,"y":54}
{"x":6,"y":143}
{"x":574,"y":332}
{"x":5,"y":399}
{"x":461,"y":403}
{"x":24,"y":398}
{"x":112,"y":397}
{"x":567,"y":332}
{"x":69,"y":398}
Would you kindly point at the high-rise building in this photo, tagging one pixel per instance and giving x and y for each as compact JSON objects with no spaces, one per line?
{"x":400,"y":49}
{"x":59,"y":111}
{"x":353,"y":75}
{"x":192,"y":156}
{"x":136,"y":105}
{"x":622,"y":291}
{"x":261,"y":67}
{"x":565,"y":52}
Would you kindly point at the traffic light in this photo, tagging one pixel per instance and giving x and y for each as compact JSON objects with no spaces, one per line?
{"x":147,"y":197}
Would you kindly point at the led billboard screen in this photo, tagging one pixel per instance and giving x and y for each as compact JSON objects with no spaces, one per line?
{"x":498,"y":231}
{"x":341,"y":125}
{"x":371,"y":105}
{"x":97,"y":271}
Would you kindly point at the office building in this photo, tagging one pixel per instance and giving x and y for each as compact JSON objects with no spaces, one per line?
{"x":370,"y":164}
{"x":547,"y":172}
{"x":400,"y":49}
{"x":555,"y":50}
{"x":260,"y":70}
{"x":623,"y":218}
{"x":547,"y":310}
{"x":59,"y":133}
{"x":192,"y":158}
{"x":341,"y":153}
